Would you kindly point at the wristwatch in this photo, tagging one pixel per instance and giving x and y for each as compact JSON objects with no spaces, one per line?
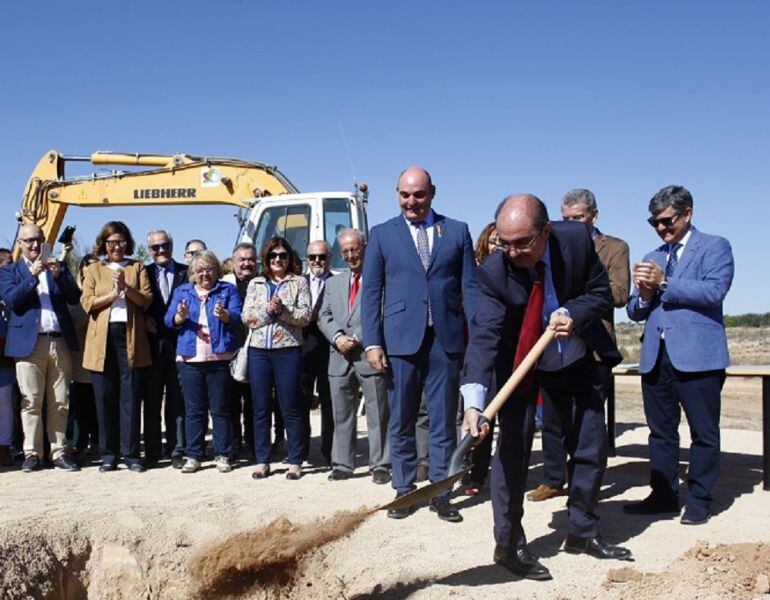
{"x":663,"y":286}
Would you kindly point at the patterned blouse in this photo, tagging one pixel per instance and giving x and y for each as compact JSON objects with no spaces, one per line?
{"x":283,"y":330}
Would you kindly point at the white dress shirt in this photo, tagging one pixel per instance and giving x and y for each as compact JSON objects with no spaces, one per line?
{"x":49,"y":323}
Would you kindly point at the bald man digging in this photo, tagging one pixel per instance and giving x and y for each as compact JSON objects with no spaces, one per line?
{"x":543,"y":275}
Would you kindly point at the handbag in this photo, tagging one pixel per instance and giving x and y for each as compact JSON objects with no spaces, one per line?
{"x":239,"y":364}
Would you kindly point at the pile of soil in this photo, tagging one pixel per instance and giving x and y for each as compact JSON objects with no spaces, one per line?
{"x":719,"y":571}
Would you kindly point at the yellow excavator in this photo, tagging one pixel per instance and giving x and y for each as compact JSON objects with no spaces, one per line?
{"x":269,"y":203}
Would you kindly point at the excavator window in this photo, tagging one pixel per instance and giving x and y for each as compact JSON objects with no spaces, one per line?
{"x":336,"y":218}
{"x":291,"y":222}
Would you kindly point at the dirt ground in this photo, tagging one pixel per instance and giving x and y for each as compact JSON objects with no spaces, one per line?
{"x":126,"y":535}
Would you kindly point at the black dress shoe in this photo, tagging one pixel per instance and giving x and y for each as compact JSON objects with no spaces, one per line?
{"x":400,"y":513}
{"x":30,"y":464}
{"x":595,"y":547}
{"x":380,"y":476}
{"x":695,"y":515}
{"x":107,"y":467}
{"x":136,"y":467}
{"x":65,"y":463}
{"x":521,"y":563}
{"x":339,"y":475}
{"x":446,"y":512}
{"x":652,"y":505}
{"x":177,"y":461}
{"x":150,"y":463}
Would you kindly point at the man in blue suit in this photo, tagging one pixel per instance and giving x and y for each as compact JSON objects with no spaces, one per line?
{"x":41,"y":336}
{"x":418,"y":284}
{"x":680,"y":287}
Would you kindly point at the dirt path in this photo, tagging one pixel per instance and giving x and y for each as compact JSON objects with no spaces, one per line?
{"x":123,"y":535}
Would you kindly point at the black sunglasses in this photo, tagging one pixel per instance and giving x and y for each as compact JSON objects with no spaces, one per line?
{"x":159,"y":247}
{"x":316,"y":257}
{"x":665,"y":221}
{"x":278,"y":255}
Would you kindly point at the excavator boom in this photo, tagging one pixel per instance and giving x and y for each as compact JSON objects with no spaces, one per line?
{"x":159,"y":180}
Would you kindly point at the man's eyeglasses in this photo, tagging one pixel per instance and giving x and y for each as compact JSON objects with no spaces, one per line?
{"x":314,"y":257}
{"x":518,"y":246}
{"x":159,"y":247}
{"x":575,"y":218}
{"x":277,"y":255}
{"x":30,"y":241}
{"x":115,"y":243}
{"x":419,"y":194}
{"x":665,"y":221}
{"x":352,"y":252}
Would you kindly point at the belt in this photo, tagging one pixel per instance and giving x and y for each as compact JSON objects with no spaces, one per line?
{"x":53,"y":334}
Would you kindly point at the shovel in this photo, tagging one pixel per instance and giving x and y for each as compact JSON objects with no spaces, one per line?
{"x":458,"y":465}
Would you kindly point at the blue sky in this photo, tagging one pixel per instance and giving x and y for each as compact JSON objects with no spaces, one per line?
{"x":493,"y":98}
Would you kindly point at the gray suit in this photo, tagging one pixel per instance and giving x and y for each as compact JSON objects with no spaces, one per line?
{"x":345,"y":376}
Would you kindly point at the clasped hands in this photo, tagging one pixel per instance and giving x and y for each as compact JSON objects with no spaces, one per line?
{"x":647,"y":277}
{"x":183,"y":312}
{"x":345,"y":343}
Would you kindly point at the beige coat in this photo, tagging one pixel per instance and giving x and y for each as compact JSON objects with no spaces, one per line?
{"x":613,"y":252}
{"x":98,"y":282}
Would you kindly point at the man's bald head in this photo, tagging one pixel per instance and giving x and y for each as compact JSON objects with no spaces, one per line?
{"x":415,"y":191}
{"x":522,"y":228}
{"x":29,"y":239}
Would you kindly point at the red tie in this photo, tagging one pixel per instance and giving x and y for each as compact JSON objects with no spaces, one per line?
{"x":354,"y":289}
{"x":532,"y":326}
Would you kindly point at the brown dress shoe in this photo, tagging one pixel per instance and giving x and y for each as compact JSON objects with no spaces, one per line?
{"x":544,"y":492}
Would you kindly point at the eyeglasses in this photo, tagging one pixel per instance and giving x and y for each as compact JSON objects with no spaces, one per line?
{"x":665,"y":221}
{"x":159,"y":247}
{"x":314,"y":257}
{"x":30,"y":241}
{"x":352,"y":252}
{"x":518,"y":246}
{"x":278,"y":255}
{"x":115,"y":243}
{"x":205,"y":270}
{"x":419,"y":194}
{"x":575,"y":218}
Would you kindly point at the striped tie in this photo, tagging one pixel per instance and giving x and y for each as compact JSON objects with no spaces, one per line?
{"x":673,"y":260}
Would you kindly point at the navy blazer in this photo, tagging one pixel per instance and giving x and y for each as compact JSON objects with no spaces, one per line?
{"x":582,"y":287}
{"x":690,"y":310}
{"x":396,"y":287}
{"x":158,"y":308}
{"x":18,"y":289}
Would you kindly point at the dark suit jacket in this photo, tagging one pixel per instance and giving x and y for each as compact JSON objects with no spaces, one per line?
{"x":159,"y":307}
{"x":396,"y":287}
{"x":311,"y":335}
{"x":18,"y":289}
{"x":582,"y":287}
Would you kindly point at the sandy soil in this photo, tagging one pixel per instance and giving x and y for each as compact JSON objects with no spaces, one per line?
{"x":123,"y":535}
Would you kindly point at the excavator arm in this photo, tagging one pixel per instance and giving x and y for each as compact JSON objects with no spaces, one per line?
{"x":159,"y":179}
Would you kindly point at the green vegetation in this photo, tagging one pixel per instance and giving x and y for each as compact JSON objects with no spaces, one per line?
{"x":748,"y":320}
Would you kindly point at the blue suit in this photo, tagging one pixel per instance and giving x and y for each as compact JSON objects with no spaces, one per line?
{"x":686,"y":365}
{"x":394,"y":300}
{"x":18,"y":288}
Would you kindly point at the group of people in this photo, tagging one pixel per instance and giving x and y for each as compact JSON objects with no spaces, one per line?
{"x":421,"y":323}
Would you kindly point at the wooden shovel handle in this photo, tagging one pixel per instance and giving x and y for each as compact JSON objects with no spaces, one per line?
{"x":515,"y":379}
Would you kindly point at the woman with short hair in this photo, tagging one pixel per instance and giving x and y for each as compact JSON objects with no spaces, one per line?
{"x":205,"y":312}
{"x":276,"y":308}
{"x":116,"y":292}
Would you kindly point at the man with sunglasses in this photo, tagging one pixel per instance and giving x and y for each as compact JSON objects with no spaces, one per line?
{"x":545,"y":275}
{"x":680,"y":288}
{"x":579,"y":205}
{"x":315,"y":350}
{"x":419,"y":284}
{"x":41,"y":338}
{"x":165,"y":275}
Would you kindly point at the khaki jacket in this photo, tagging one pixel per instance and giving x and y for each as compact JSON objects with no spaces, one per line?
{"x":98,"y":282}
{"x":613,"y":252}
